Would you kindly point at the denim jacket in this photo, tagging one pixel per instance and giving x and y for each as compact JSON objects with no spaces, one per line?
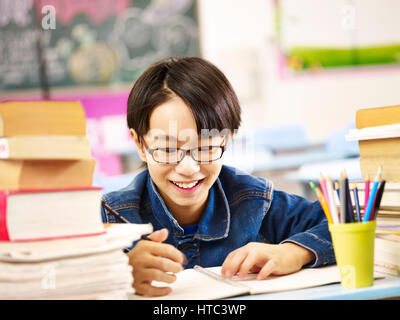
{"x":241,"y":208}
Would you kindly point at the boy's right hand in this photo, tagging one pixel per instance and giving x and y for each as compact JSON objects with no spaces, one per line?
{"x":154,"y":260}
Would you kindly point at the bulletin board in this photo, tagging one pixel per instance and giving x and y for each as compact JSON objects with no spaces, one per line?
{"x":325,"y":35}
{"x":96,"y":42}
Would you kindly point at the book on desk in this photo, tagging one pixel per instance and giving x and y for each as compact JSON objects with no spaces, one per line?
{"x":53,"y":244}
{"x":378,"y":135}
{"x":207,"y":283}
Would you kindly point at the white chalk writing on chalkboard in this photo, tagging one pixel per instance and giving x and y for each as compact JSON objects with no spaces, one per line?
{"x":89,"y":45}
{"x":16,"y":11}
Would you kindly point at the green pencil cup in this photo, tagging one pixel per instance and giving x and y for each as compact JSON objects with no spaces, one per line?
{"x":354,"y":250}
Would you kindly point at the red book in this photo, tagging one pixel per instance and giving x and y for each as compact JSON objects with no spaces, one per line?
{"x":50,"y":214}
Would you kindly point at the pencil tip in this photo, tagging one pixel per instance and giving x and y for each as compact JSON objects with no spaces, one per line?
{"x":378,"y":174}
{"x":336,"y":185}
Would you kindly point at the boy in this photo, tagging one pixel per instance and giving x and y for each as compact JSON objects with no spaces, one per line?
{"x":182,"y":113}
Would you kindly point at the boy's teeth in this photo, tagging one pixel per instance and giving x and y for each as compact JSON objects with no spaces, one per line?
{"x":186,"y":185}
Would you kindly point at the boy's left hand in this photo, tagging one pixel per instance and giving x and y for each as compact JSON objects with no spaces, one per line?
{"x":266,"y":259}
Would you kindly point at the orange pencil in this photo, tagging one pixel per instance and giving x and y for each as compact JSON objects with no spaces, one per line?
{"x":322,"y":201}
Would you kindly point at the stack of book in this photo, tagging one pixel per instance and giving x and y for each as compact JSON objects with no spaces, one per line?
{"x":387,"y":251}
{"x":44,"y":145}
{"x":95,"y":269}
{"x":378,"y":134}
{"x":50,"y":213}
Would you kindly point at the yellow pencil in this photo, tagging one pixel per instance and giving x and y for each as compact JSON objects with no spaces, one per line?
{"x":324,"y":205}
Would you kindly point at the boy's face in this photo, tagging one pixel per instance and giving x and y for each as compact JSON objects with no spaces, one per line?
{"x":172,"y":125}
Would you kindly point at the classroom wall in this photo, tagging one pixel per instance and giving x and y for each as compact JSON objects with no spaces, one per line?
{"x":237,"y":36}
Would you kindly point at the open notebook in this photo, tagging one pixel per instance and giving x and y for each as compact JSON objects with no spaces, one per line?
{"x":207,"y":283}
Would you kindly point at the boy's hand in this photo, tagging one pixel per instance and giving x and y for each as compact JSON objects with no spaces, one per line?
{"x":266,"y":259}
{"x":154,"y":260}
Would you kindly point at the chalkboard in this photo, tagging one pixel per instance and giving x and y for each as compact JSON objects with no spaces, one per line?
{"x":94,"y":42}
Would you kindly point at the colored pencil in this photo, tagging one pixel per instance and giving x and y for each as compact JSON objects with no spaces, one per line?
{"x":366,"y":193}
{"x":343,"y":200}
{"x":337,"y":190}
{"x":378,"y":199}
{"x":350,"y":212}
{"x":322,"y":201}
{"x":333,"y":211}
{"x":357,"y":202}
{"x":322,"y":183}
{"x":372,"y":195}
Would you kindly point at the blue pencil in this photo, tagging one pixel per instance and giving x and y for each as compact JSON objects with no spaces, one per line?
{"x":357,"y":203}
{"x":372,"y":196}
{"x":337,"y":189}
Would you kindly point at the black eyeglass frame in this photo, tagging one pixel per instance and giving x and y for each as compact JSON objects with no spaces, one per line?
{"x":184,"y":153}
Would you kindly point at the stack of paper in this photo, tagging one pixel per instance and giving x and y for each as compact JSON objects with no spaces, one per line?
{"x":99,"y":271}
{"x":378,"y":132}
{"x":387,"y":250}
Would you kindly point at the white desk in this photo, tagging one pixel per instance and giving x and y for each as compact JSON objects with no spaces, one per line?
{"x":383,"y":288}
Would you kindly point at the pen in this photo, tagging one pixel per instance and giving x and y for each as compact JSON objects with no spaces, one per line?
{"x":117,"y":215}
{"x":113,"y":212}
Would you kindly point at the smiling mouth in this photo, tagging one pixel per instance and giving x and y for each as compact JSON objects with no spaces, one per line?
{"x":185,"y":185}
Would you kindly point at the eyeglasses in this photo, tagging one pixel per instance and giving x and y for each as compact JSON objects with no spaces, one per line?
{"x":204,"y":154}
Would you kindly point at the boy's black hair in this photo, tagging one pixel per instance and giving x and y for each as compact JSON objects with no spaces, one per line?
{"x":200,"y":84}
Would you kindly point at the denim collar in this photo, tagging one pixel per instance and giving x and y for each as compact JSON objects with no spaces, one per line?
{"x":214,"y":223}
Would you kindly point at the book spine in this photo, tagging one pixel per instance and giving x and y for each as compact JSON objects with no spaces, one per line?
{"x":4,"y":235}
{"x":74,"y":236}
{"x":67,"y":189}
{"x":372,"y":117}
{"x":1,"y":125}
{"x":380,"y":147}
